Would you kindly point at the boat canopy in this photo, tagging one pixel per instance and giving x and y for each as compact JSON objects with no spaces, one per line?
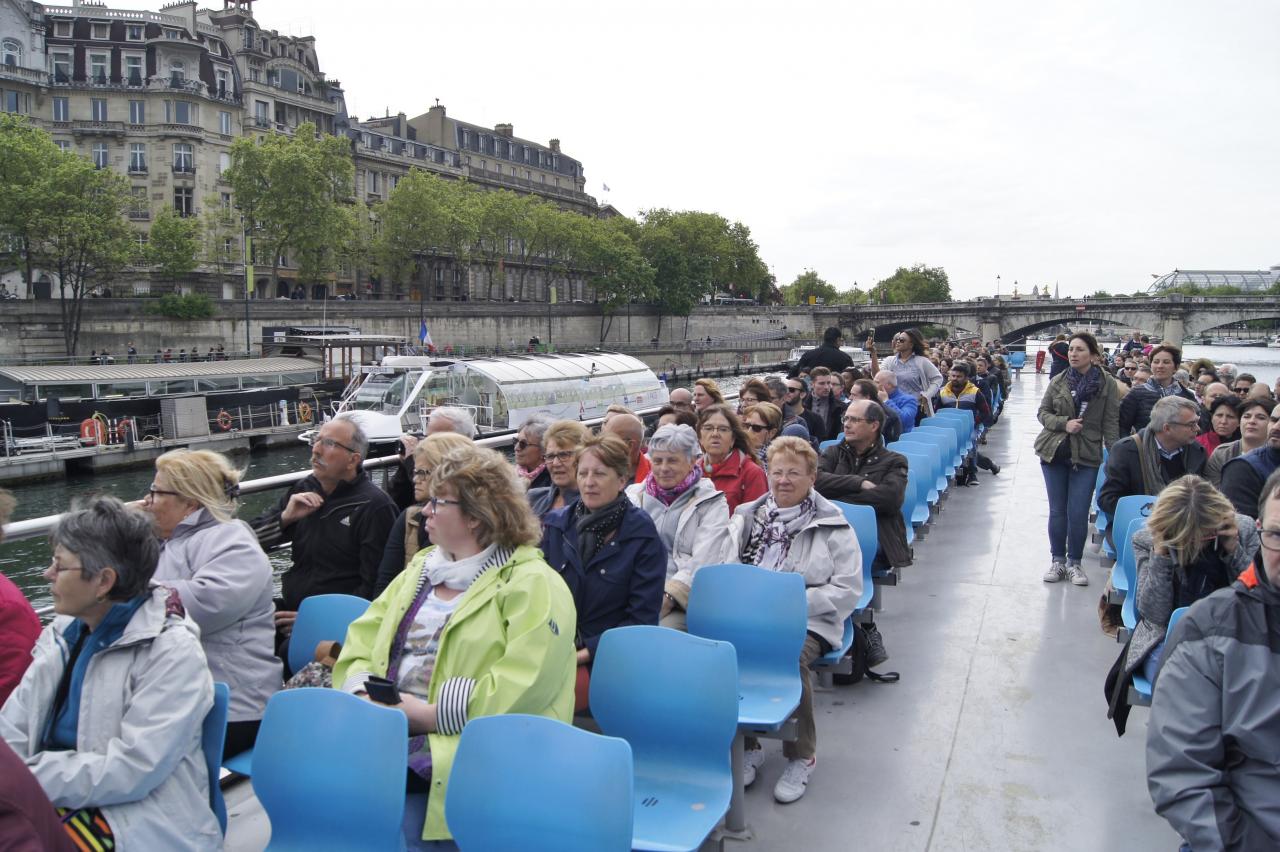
{"x":114,"y":380}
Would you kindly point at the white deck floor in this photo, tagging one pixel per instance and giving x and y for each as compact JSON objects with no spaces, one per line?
{"x":997,"y":737}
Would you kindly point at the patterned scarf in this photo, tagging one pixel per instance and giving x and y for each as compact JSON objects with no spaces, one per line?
{"x":531,"y":473}
{"x":594,"y":527}
{"x":773,"y":529}
{"x":667,"y":496}
{"x":1173,"y":388}
{"x":1084,"y":387}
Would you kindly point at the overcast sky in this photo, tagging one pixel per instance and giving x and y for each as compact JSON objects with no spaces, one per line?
{"x":1089,"y":143}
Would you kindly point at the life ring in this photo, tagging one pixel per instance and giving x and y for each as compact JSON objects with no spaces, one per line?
{"x":122,"y":429}
{"x":304,"y":412}
{"x":92,"y":432}
{"x":224,"y":420}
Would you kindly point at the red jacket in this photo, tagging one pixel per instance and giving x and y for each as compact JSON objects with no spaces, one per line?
{"x":738,"y":476}
{"x":19,"y":628}
{"x":643,"y":467}
{"x":28,"y":823}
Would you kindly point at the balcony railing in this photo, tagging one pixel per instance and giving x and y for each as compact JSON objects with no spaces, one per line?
{"x":184,"y":169}
{"x":174,"y":129}
{"x":24,"y":75}
{"x":139,"y":215}
{"x":137,"y":168}
{"x":98,"y":128}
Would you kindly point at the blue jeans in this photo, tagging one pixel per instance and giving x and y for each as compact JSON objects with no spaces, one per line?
{"x":1070,"y":490}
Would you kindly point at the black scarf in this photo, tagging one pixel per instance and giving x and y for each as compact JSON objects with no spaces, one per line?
{"x":1083,"y":386}
{"x":594,"y":527}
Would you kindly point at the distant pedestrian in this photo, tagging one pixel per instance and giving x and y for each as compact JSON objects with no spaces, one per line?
{"x":133,"y":353}
{"x":168,"y":355}
{"x":159,"y":356}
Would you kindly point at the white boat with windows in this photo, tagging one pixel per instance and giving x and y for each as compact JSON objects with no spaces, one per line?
{"x":397,"y":395}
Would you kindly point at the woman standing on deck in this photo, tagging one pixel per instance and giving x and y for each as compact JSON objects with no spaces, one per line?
{"x":916,"y":374}
{"x":1080,"y":414}
{"x":220,"y":572}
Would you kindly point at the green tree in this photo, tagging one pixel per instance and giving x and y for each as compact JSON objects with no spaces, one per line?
{"x":427,"y":220}
{"x":292,"y":191}
{"x":220,"y":235}
{"x":173,"y":244}
{"x":917,"y":284}
{"x":808,"y":284}
{"x":617,"y":272}
{"x":28,"y":158}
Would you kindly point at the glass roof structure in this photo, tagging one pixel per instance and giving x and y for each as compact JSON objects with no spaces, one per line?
{"x":1249,"y":280}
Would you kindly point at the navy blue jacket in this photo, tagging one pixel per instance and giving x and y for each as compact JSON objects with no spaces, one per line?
{"x":621,"y":585}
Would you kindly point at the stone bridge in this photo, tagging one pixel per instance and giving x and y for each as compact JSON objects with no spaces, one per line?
{"x":1170,"y":317}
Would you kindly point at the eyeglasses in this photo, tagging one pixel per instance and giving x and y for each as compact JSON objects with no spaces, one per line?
{"x":713,"y":429}
{"x":421,"y":473}
{"x":1241,"y":389}
{"x":522,"y":444}
{"x":1192,"y":424}
{"x":562,"y":456}
{"x":756,"y":427}
{"x":1270,"y":538}
{"x":436,"y":502}
{"x":58,"y":567}
{"x":329,"y":444}
{"x":847,"y":420}
{"x":153,"y":493}
{"x":792,"y":389}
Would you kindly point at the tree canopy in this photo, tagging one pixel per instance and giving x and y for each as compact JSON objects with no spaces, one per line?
{"x":916,"y":284}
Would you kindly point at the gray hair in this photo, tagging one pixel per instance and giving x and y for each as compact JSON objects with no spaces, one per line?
{"x":359,"y":439}
{"x":1228,"y":372}
{"x":105,"y":533}
{"x":675,"y":438}
{"x":889,"y":377}
{"x":458,"y":418}
{"x":1166,"y":409}
{"x":536,"y":425}
{"x":776,"y":386}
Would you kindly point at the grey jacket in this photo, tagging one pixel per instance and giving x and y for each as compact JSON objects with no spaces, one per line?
{"x":1211,"y":741}
{"x":701,"y":533}
{"x":826,"y":553}
{"x":1155,"y":588}
{"x":224,"y":579}
{"x":1221,"y":454}
{"x":137,"y":752}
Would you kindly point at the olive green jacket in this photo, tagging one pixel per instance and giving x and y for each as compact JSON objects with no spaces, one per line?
{"x":1101,"y":422}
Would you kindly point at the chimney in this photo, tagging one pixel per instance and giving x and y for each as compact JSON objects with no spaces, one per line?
{"x":555,"y":145}
{"x":503,"y":130}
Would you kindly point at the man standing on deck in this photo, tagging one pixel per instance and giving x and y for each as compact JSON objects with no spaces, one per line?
{"x":827,"y":355}
{"x":1243,"y":476}
{"x":1211,"y":741}
{"x":337,"y":520}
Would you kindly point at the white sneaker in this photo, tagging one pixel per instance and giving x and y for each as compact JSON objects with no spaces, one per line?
{"x":751,"y":761}
{"x":1057,"y":571}
{"x":794,"y":780}
{"x":1077,"y":575}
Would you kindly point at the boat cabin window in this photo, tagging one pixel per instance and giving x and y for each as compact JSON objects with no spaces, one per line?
{"x":173,"y":386}
{"x":259,"y":381}
{"x":218,"y":383}
{"x":299,"y":378}
{"x":384,"y":392}
{"x":123,"y":389}
{"x":67,"y":392}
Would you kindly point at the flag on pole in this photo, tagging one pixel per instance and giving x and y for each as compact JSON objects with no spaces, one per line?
{"x":606,"y":187}
{"x":424,"y":336}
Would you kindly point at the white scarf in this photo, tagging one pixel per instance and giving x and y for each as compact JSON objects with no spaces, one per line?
{"x":456,"y":574}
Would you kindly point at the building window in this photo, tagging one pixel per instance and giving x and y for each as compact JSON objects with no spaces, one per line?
{"x":138,"y":199}
{"x":224,"y":163}
{"x":180,"y":112}
{"x":135,"y":32}
{"x":177,"y":73}
{"x":172,"y":34}
{"x":10,"y":53}
{"x":249,"y":36}
{"x":225,"y":198}
{"x":16,"y":101}
{"x":62,"y":29}
{"x":98,"y":67}
{"x":261,"y":116}
{"x":100,"y":155}
{"x":98,"y":109}
{"x":141,"y":239}
{"x":228,"y":246}
{"x":63,"y":145}
{"x":224,"y":83}
{"x":62,"y":67}
{"x":184,"y":200}
{"x":224,"y":123}
{"x":183,"y":159}
{"x":60,"y":110}
{"x":255,"y":74}
{"x":137,"y":112}
{"x":374,"y":185}
{"x":137,"y":156}
{"x":133,"y":70}
{"x":102,"y":32}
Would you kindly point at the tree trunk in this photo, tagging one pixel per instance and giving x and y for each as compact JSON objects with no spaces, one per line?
{"x":605,"y":329}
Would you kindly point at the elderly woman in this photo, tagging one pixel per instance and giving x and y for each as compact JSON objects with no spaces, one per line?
{"x":530,"y":463}
{"x":691,"y":515}
{"x":1254,"y":417}
{"x":795,"y":529}
{"x":606,"y":548}
{"x":762,"y":424}
{"x":560,"y":445}
{"x":222,"y":575}
{"x":477,"y":625}
{"x":109,"y":714}
{"x":409,"y":533}
{"x":753,"y":391}
{"x":1194,"y":543}
{"x":706,"y":392}
{"x":728,"y":459}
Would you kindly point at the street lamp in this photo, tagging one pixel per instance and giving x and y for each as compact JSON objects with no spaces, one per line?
{"x":997,"y":287}
{"x":248,"y":285}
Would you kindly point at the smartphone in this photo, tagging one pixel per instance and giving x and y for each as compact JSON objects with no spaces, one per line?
{"x":382,"y":690}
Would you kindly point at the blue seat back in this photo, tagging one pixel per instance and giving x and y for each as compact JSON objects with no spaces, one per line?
{"x":921,"y":463}
{"x":947,"y":426}
{"x":918,"y":485}
{"x":933,"y":449}
{"x":943,"y":439}
{"x":1129,"y":569}
{"x":673,"y":696}
{"x":1127,"y":509}
{"x":762,"y":613}
{"x":863,"y":521}
{"x":213,"y":736}
{"x":322,"y":618}
{"x":1017,"y":360}
{"x":329,"y":769}
{"x":1174,"y":618}
{"x":533,"y":783}
{"x":958,"y":421}
{"x":822,"y":447}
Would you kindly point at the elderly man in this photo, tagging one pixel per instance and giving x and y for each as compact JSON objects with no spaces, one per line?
{"x":630,"y":429}
{"x":903,"y":403}
{"x":1159,"y":453}
{"x":1243,"y":476}
{"x":451,"y":419}
{"x":337,"y":520}
{"x":1211,"y":767}
{"x":681,"y":399}
{"x":860,"y":470}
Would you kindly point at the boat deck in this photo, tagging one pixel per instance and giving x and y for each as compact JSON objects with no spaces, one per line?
{"x":996,"y":738}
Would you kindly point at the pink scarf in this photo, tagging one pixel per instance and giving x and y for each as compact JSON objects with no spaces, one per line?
{"x":667,"y":496}
{"x":531,"y":475}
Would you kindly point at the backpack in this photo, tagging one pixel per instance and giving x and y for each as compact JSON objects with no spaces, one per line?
{"x":858,"y":654}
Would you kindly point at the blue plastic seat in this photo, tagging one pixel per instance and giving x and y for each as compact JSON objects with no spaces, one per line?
{"x":538,"y":784}
{"x":1141,"y":686}
{"x":944,"y":440}
{"x":213,"y":736}
{"x":859,"y":518}
{"x":1124,"y":574}
{"x":764,"y":615}
{"x":322,"y":618}
{"x":918,"y":484}
{"x":926,"y":445}
{"x":674,"y":697}
{"x":964,"y":424}
{"x":329,"y":769}
{"x":1128,"y":509}
{"x":1101,"y":519}
{"x":949,"y":429}
{"x":1017,"y":360}
{"x":919,"y":458}
{"x":822,"y":447}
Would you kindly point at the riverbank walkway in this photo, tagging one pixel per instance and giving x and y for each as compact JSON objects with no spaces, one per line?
{"x":996,"y":738}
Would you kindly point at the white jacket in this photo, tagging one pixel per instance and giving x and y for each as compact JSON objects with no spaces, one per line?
{"x":137,"y":753}
{"x":702,"y":534}
{"x":826,"y":552}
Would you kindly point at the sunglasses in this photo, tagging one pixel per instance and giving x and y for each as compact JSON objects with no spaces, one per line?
{"x":522,"y":444}
{"x":756,"y":427}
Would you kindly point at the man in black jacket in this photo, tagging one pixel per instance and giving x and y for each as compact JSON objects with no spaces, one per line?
{"x":338,"y":521}
{"x":1165,"y":450}
{"x":825,"y":402}
{"x":860,"y":470}
{"x":827,"y":355}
